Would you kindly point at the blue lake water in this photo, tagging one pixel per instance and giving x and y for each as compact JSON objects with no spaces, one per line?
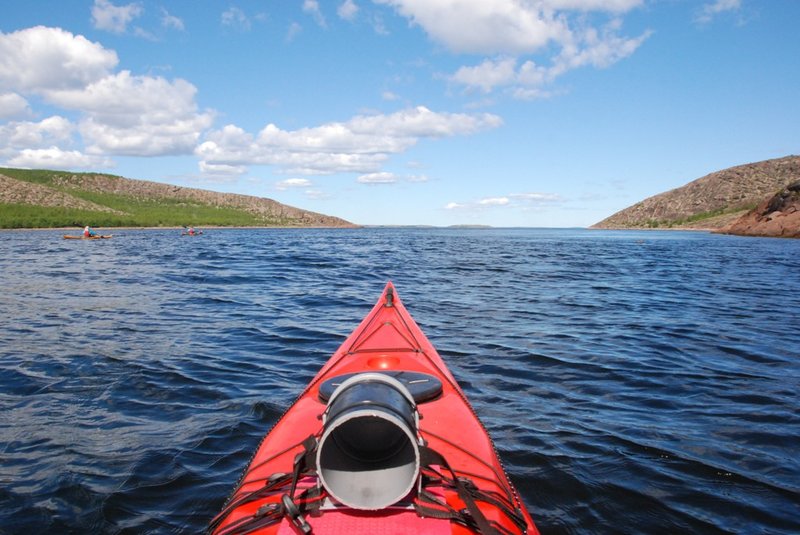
{"x":637,"y":382}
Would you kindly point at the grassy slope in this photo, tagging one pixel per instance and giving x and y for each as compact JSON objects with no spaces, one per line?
{"x":144,"y":213}
{"x":712,"y":219}
{"x":37,"y":176}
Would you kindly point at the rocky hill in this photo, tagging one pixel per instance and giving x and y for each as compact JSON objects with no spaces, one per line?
{"x":776,"y":216}
{"x":711,"y":202}
{"x":57,"y":198}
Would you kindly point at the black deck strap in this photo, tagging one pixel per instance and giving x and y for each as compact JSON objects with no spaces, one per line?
{"x":277,"y":481}
{"x":493,"y":498}
{"x":268,"y":514}
{"x":429,"y":457}
{"x":265,"y":516}
{"x":427,"y":505}
{"x":514,"y":514}
{"x":303,"y":465}
{"x":310,"y":500}
{"x":302,"y":461}
{"x":292,"y":512}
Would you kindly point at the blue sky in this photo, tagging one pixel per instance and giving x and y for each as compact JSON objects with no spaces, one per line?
{"x":547,"y":113}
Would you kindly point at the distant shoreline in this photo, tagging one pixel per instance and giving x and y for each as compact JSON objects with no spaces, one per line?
{"x":110,"y":230}
{"x":198,"y":227}
{"x":357,"y":227}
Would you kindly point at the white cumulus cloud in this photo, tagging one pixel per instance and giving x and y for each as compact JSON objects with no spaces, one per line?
{"x":221,"y":171}
{"x":347,"y":10}
{"x":359,"y":145}
{"x":494,"y":201}
{"x":489,"y":74}
{"x":40,"y":59}
{"x":377,"y":178}
{"x":56,"y":158}
{"x":293,"y":183}
{"x":593,"y":5}
{"x":13,"y":106}
{"x":112,"y":18}
{"x":137,"y":115}
{"x":26,"y":134}
{"x":112,"y":113}
{"x":483,"y":26}
{"x":512,"y":200}
{"x":509,"y":33}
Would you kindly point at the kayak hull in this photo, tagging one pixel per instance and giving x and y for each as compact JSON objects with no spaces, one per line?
{"x":388,"y":340}
{"x":97,"y":237}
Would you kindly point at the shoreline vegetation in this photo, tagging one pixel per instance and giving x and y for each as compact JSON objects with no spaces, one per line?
{"x":707,"y":221}
{"x":739,"y":200}
{"x":34,"y":198}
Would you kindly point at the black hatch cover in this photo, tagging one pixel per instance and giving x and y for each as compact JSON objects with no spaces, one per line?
{"x":422,"y":386}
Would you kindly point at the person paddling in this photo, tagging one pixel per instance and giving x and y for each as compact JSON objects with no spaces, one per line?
{"x":88,"y":232}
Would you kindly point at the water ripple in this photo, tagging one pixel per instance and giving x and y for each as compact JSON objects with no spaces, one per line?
{"x":632,"y":381}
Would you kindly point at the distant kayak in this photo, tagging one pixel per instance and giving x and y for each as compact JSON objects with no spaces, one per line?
{"x":192,"y":233}
{"x":382,"y":440}
{"x":96,"y":237}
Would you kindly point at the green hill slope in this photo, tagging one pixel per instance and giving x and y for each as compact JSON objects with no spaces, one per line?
{"x":43,"y":198}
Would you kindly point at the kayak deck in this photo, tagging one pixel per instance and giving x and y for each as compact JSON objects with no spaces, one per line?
{"x":96,"y":237}
{"x":387,"y":341}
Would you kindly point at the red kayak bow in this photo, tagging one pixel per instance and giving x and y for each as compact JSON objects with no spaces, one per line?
{"x":383,"y":440}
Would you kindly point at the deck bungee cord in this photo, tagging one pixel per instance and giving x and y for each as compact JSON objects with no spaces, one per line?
{"x":427,"y":501}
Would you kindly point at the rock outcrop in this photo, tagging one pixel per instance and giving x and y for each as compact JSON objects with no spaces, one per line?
{"x":14,"y":191}
{"x":775,"y":216}
{"x":710,"y":202}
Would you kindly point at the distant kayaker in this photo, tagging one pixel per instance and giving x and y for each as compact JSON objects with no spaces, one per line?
{"x":190,"y":231}
{"x":88,"y":232}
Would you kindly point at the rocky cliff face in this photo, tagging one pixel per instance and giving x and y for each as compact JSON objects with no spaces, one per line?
{"x":710,"y":202}
{"x":777,"y":216}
